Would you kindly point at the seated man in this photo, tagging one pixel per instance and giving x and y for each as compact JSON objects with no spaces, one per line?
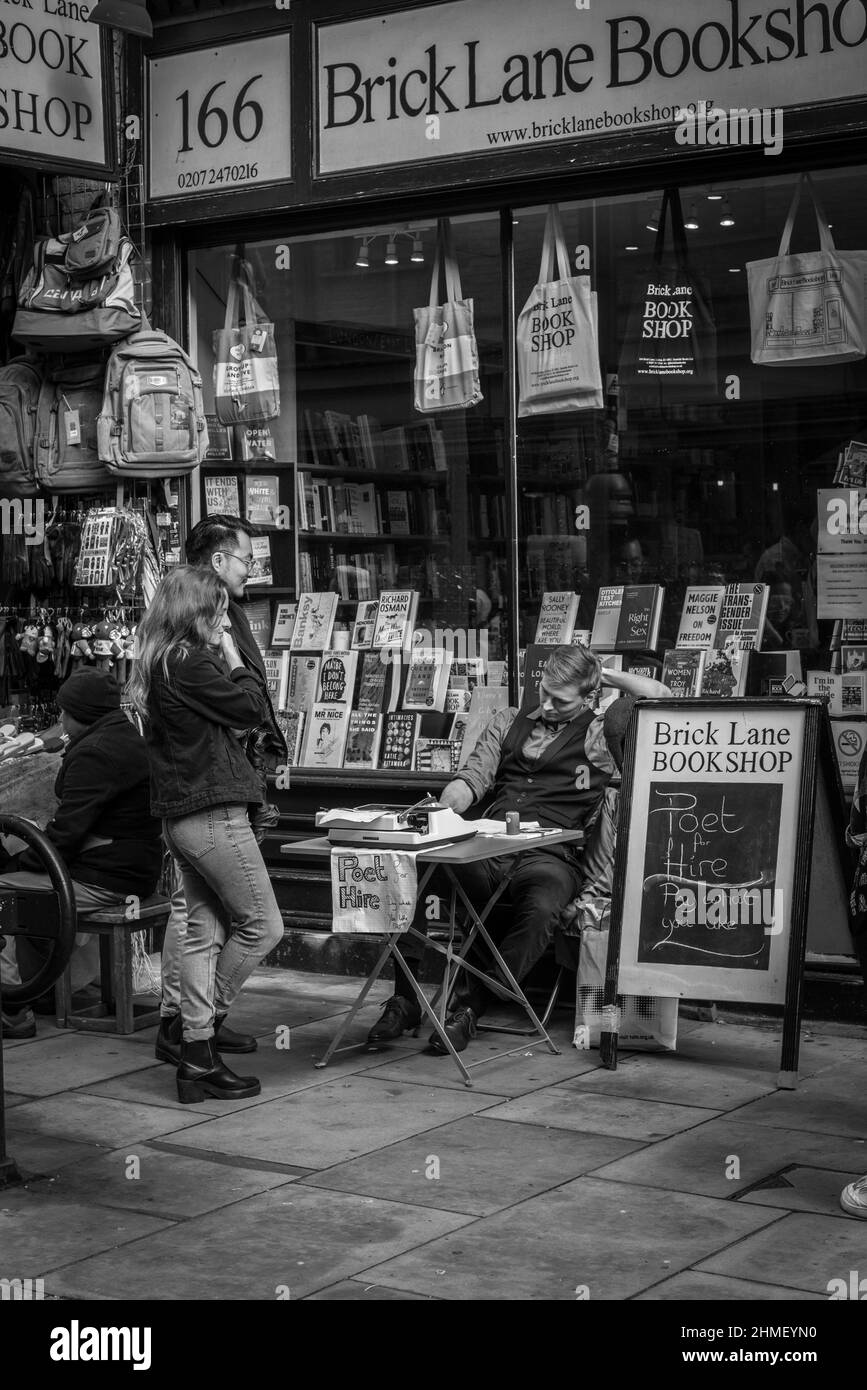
{"x":551,"y":765}
{"x":102,"y":828}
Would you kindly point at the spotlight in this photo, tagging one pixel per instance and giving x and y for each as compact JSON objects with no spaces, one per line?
{"x":653,"y":223}
{"x":691,"y":222}
{"x":727,"y":220}
{"x":417,"y":251}
{"x":714,"y":197}
{"x":630,"y":248}
{"x":362,"y":260}
{"x":391,"y":253}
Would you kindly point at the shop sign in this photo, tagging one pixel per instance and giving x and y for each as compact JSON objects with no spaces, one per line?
{"x":471,"y":78}
{"x":220,"y":118}
{"x":53,"y":99}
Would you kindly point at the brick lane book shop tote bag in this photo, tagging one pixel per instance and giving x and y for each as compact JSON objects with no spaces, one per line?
{"x":669,"y":351}
{"x":558,"y":355}
{"x":246,"y":382}
{"x":446,"y":354}
{"x":810,"y":307}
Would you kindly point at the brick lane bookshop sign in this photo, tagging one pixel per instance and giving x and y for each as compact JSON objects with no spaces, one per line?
{"x":54,"y":87}
{"x":220,"y":118}
{"x":477,"y":76}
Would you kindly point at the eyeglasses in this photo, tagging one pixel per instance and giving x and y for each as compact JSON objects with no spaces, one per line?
{"x":246,"y":560}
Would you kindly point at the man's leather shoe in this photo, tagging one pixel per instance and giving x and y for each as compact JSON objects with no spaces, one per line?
{"x":230,"y":1041}
{"x":398,"y":1016}
{"x":20,"y":1025}
{"x":460,"y":1028}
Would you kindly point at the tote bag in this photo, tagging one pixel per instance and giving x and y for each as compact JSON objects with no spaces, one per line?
{"x":808,"y":307}
{"x":669,"y":352}
{"x":558,"y":357}
{"x":246,"y":383}
{"x":446,"y":354}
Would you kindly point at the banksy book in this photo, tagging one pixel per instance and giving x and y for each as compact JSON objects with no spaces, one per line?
{"x":314,"y":622}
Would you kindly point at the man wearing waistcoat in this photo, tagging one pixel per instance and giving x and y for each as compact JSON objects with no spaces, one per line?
{"x":551,"y":765}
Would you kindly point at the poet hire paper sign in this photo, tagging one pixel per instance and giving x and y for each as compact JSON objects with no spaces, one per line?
{"x":372,"y":892}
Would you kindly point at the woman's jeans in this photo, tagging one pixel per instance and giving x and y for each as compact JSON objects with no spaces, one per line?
{"x":233,"y":920}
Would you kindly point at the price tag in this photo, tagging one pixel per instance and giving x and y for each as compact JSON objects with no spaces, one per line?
{"x":220,"y":118}
{"x":72,"y":426}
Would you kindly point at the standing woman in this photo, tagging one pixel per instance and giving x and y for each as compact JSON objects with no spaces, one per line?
{"x":196,"y":699}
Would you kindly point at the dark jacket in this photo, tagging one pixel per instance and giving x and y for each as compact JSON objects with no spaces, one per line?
{"x":266,"y":746}
{"x":102,"y":791}
{"x":195,"y":759}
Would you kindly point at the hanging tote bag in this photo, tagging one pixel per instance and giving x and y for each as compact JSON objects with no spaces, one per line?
{"x":669,"y":351}
{"x":246,"y":383}
{"x":558,"y":356}
{"x":446,"y":354}
{"x":808,"y":307}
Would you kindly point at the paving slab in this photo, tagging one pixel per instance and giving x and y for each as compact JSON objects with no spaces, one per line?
{"x":357,"y":1290}
{"x":693,"y":1286}
{"x":802,"y":1250}
{"x":587,"y":1233}
{"x":96,"y":1119}
{"x":479,"y":1167}
{"x":169,"y":1185}
{"x":802,"y":1188}
{"x":757,"y":1050}
{"x":68,"y":1059}
{"x":701,"y":1160}
{"x":42,"y":1154}
{"x":530,"y":1069}
{"x":39,"y":1233}
{"x":328,"y":1124}
{"x":12,"y":1099}
{"x":567,"y":1107}
{"x":294,"y":1239}
{"x":833,"y":1102}
{"x":673,"y":1076}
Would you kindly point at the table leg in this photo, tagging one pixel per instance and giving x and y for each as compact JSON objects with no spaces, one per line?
{"x":368,"y":985}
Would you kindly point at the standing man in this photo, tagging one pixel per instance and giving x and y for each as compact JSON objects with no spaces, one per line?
{"x":223,"y":544}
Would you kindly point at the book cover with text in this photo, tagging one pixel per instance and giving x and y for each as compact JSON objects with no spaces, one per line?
{"x":325,"y":733}
{"x":262,"y":499}
{"x":744,"y":609}
{"x":314,"y":621}
{"x":398,"y":740}
{"x":365,"y":735}
{"x":303,"y":682}
{"x":396,"y":618}
{"x":682,"y":671}
{"x":699,"y":618}
{"x":284,"y":624}
{"x":557,"y":618}
{"x":365,"y":622}
{"x":337,"y":677}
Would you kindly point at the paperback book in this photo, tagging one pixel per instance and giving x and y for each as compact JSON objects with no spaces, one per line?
{"x":303,"y":682}
{"x":258,"y":615}
{"x":557,"y":618}
{"x":398,"y":742}
{"x":284,"y":624}
{"x":627,"y":617}
{"x":365,"y":734}
{"x":725,"y":671}
{"x":260,"y":571}
{"x":396,"y":618}
{"x":682,"y":671}
{"x":379,"y":684}
{"x":276,"y":675}
{"x":222,"y":496}
{"x":291,"y":725}
{"x":219,"y":443}
{"x":262,"y":499}
{"x":699,"y":618}
{"x":427,"y":679}
{"x":535,"y":660}
{"x":337,"y":677}
{"x":743,"y":613}
{"x":437,"y":755}
{"x":325,"y":735}
{"x":364,"y":624}
{"x":314,"y":621}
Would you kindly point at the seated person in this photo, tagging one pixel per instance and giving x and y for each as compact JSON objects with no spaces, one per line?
{"x":551,"y":765}
{"x":102,"y":828}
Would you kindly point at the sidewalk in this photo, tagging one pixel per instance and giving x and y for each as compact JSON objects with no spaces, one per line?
{"x":685,"y":1176}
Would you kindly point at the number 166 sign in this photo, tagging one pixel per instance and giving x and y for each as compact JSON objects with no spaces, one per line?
{"x":220,"y":118}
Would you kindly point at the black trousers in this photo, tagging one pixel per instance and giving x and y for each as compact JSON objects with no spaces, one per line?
{"x":522,"y":924}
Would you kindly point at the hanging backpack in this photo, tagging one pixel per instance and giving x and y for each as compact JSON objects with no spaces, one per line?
{"x":66,"y":451}
{"x":152,"y":423}
{"x":20,"y":381}
{"x":94,"y":246}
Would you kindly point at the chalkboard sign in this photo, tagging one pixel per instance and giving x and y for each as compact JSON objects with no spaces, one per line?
{"x":713,"y":852}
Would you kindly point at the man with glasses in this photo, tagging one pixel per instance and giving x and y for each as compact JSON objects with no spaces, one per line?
{"x":224,"y":544}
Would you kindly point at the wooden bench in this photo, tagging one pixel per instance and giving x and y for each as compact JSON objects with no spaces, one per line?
{"x":117,"y":1011}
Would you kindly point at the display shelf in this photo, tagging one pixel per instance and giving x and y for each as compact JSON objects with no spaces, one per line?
{"x":373,"y":537}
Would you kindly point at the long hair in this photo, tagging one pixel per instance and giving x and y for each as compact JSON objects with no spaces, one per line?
{"x":183,"y":611}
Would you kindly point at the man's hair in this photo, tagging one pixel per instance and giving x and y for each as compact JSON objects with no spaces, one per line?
{"x":574,"y":666}
{"x":215,"y":533}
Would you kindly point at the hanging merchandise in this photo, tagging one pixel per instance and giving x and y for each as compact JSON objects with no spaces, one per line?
{"x":66,"y":450}
{"x":556,"y":340}
{"x":94,"y":566}
{"x":152,"y":423}
{"x":808,"y":307}
{"x":669,"y":352}
{"x":79,"y":293}
{"x":246,"y":381}
{"x":446,"y":353}
{"x":20,"y":382}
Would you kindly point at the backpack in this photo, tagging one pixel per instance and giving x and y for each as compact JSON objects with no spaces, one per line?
{"x":66,"y":451}
{"x":152,"y":423}
{"x":94,"y":245}
{"x":63,"y":309}
{"x":20,"y":381}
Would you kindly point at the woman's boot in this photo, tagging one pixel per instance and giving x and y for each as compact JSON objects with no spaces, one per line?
{"x":202,"y":1073}
{"x":167,"y":1047}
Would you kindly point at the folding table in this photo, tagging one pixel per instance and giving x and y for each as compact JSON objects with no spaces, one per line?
{"x":450,"y":857}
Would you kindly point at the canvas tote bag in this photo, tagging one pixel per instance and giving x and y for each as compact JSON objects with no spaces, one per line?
{"x":246,"y":382}
{"x":446,"y":354}
{"x":669,"y":351}
{"x":808,"y":307}
{"x":558,"y":356}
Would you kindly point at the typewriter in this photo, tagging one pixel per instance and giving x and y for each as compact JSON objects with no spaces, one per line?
{"x":395,"y":827}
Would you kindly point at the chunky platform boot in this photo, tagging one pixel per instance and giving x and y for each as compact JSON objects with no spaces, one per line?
{"x":202,"y":1073}
{"x":230,"y":1041}
{"x":167,"y":1047}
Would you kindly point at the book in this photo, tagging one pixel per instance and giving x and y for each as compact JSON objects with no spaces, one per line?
{"x":437,"y":755}
{"x":260,"y":571}
{"x":379,"y":684}
{"x":303,"y":682}
{"x":846,"y":694}
{"x":314,"y":621}
{"x":398,"y":739}
{"x":254,"y":442}
{"x":222,"y":496}
{"x":853,"y":658}
{"x":467,"y":672}
{"x":699,"y":619}
{"x":557,"y":618}
{"x":682,"y":671}
{"x":284,"y":624}
{"x":535,"y":659}
{"x":258,"y":615}
{"x":743,"y":613}
{"x":397,"y":513}
{"x":364,"y":624}
{"x":325,"y":734}
{"x":396,"y":618}
{"x":427,"y":678}
{"x":498,"y":672}
{"x":261,"y":498}
{"x":725,"y":671}
{"x":365,"y":735}
{"x":291,"y":725}
{"x":484,"y":703}
{"x":852,"y":467}
{"x":456,"y":700}
{"x":627,"y":617}
{"x":458,"y":728}
{"x":273,"y":662}
{"x":219,"y":443}
{"x":337,"y":677}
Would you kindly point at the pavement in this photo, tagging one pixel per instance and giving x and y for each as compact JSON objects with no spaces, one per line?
{"x":678,"y":1176}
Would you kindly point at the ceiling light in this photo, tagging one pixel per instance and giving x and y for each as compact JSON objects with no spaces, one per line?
{"x":362,"y":260}
{"x":734,"y":270}
{"x":631,"y":248}
{"x":714,"y":197}
{"x":653,"y":223}
{"x":726,"y":220}
{"x":417,"y":251}
{"x":691,"y":222}
{"x":391,"y":253}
